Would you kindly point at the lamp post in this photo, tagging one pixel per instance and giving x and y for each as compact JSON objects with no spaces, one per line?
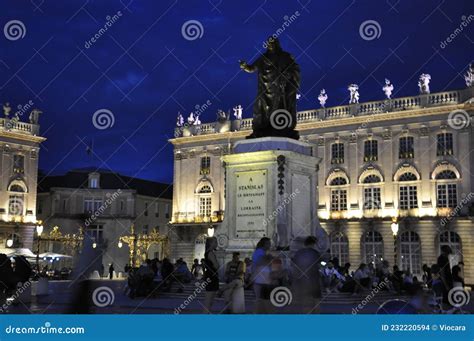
{"x":10,"y":242}
{"x":395,"y":228}
{"x":39,"y":231}
{"x":210,"y":231}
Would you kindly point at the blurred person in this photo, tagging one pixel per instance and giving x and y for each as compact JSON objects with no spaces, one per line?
{"x":331,"y":278}
{"x":211,"y":267}
{"x":111,"y":271}
{"x":445,"y":270}
{"x":263,"y":246}
{"x":426,"y":275}
{"x":248,"y":272}
{"x":458,"y":280}
{"x":306,"y":279}
{"x":196,"y":269}
{"x":234,"y":278}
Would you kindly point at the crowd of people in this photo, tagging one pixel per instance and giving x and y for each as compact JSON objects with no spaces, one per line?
{"x":311,"y":274}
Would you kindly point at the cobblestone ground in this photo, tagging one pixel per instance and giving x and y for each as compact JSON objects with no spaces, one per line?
{"x":59,"y":301}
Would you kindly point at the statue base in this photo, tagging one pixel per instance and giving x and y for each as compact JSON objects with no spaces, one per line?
{"x":271,"y":191}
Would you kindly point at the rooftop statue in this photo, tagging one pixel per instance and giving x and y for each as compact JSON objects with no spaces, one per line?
{"x":424,"y":83}
{"x":6,"y":109}
{"x":180,"y":120}
{"x":34,"y":116}
{"x":469,"y":76}
{"x":388,"y":88}
{"x":238,"y":110}
{"x":274,"y":111}
{"x":322,"y":98}
{"x":354,"y":92}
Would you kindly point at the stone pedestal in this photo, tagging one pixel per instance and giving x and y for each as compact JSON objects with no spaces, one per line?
{"x":271,"y":191}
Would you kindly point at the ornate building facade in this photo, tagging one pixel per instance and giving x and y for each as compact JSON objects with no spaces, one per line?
{"x":396,"y":180}
{"x":104,"y":205}
{"x":19,"y":150}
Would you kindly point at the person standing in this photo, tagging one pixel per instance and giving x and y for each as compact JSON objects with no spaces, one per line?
{"x":234,"y":277}
{"x":211,"y":276}
{"x":111,"y":271}
{"x":261,"y":250}
{"x":306,"y":278}
{"x":445,"y":271}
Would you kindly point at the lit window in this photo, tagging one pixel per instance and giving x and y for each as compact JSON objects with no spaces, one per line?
{"x":372,"y":200}
{"x":15,"y":205}
{"x":205,"y":165}
{"x":370,"y":150}
{"x":337,"y":153}
{"x":371,"y":179}
{"x":451,"y":239}
{"x":93,"y":183}
{"x":205,"y":206}
{"x":444,"y":144}
{"x":339,"y":247}
{"x":408,"y":197}
{"x":92,"y":205}
{"x":406,"y":148}
{"x":18,"y":164}
{"x":447,"y":195}
{"x":338,"y":200}
{"x":373,"y":247}
{"x":410,"y":252}
{"x":96,"y":233}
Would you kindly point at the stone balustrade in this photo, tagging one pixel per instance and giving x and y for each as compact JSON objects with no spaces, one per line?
{"x":359,"y":109}
{"x":18,"y":126}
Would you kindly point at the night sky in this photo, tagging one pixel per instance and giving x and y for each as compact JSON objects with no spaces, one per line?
{"x":143,"y":70}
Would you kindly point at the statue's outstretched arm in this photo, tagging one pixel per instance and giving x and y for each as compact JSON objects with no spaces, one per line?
{"x":246,"y":67}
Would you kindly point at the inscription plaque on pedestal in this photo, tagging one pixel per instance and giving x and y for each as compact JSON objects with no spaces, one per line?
{"x":251,"y":204}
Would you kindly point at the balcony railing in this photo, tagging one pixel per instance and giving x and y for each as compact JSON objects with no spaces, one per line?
{"x":16,"y":126}
{"x":360,"y":109}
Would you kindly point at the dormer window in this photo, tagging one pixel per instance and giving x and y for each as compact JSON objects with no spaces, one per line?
{"x":94,"y":180}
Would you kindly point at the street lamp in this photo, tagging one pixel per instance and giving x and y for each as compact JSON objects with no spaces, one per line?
{"x":39,"y":231}
{"x":210,"y":231}
{"x":10,"y":242}
{"x":120,"y":244}
{"x":395,"y":228}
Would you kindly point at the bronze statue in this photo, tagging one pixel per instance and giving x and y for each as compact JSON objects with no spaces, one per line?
{"x":274,"y":111}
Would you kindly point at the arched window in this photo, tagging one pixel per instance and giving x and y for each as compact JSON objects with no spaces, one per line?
{"x":371,"y":179}
{"x":205,"y":189}
{"x":445,"y":175}
{"x":373,"y":246}
{"x":338,"y":195}
{"x":339,"y":181}
{"x":451,"y":239}
{"x":339,"y":247}
{"x":410,"y":252}
{"x":408,"y":176}
{"x":408,"y":194}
